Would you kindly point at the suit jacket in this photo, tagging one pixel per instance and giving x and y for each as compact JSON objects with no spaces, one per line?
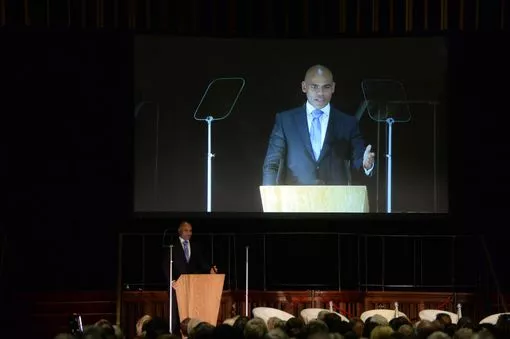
{"x":290,"y":160}
{"x":196,"y":265}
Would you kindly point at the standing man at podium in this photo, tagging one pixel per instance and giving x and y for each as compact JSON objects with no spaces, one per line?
{"x":315,"y":144}
{"x":187,"y":259}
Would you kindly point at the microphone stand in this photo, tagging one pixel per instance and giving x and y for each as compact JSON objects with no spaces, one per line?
{"x":384,"y":90}
{"x":389,"y":124}
{"x":170,"y":288}
{"x":389,"y":153}
{"x":170,"y":279}
{"x":210,"y":155}
{"x":209,"y":120}
{"x":246,"y":295}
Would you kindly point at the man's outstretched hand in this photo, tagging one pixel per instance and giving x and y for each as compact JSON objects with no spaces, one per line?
{"x":368,"y":158}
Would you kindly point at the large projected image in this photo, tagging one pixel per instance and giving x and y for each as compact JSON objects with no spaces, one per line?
{"x":344,"y":125}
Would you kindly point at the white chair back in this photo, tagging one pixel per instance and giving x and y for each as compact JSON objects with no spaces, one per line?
{"x":313,"y":313}
{"x":430,"y":315}
{"x":265,"y":313}
{"x":230,"y":321}
{"x":492,"y":319}
{"x":386,"y":313}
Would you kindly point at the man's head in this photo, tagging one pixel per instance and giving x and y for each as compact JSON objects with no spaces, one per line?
{"x":255,"y":329}
{"x":141,"y":323}
{"x":318,"y":86}
{"x":444,"y":318}
{"x":357,"y":326}
{"x":184,"y":326}
{"x":322,"y":314}
{"x":185,"y":230}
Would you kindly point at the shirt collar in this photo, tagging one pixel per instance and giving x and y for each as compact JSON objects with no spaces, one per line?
{"x":182,"y":240}
{"x":325,"y":109}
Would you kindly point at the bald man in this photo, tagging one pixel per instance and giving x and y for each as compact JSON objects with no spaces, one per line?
{"x":188,"y":258}
{"x":315,"y":144}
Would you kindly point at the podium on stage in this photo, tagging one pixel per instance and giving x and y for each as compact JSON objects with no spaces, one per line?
{"x":199,"y":296}
{"x":311,"y":199}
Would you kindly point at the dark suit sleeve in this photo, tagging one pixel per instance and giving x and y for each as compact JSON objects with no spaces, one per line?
{"x":275,"y":154}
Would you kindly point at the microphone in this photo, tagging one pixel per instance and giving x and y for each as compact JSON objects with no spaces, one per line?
{"x":164,"y":237}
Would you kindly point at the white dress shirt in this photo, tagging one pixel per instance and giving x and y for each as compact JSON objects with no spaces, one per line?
{"x":324,"y":119}
{"x":189,"y":246}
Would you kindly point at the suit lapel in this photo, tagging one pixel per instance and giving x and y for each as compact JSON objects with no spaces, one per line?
{"x":179,"y":251}
{"x":302,"y":128}
{"x":329,"y":134}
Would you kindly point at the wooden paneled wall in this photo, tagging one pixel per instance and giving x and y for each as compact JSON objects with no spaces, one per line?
{"x":261,"y":17}
{"x":137,"y":303}
{"x":49,"y":312}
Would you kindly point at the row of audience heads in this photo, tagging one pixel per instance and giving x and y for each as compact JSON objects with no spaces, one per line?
{"x":375,"y":327}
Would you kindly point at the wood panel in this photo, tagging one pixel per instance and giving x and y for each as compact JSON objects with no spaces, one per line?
{"x":355,"y":17}
{"x":310,"y":199}
{"x":199,"y":296}
{"x":411,"y":303}
{"x":350,"y":303}
{"x":49,"y":312}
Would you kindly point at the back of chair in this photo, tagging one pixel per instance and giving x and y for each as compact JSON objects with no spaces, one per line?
{"x":431,"y":315}
{"x":265,"y":313}
{"x":492,"y":319}
{"x":313,"y":313}
{"x":386,"y":313}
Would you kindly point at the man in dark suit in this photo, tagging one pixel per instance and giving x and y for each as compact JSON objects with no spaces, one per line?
{"x":187,"y":259}
{"x":315,"y":144}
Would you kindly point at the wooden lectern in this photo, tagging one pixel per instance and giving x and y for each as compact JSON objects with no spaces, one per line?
{"x":199,"y":296}
{"x":323,"y":199}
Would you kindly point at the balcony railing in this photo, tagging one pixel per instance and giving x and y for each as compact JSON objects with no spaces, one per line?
{"x":319,"y":261}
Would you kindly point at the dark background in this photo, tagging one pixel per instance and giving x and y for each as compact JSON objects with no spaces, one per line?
{"x":68,"y":140}
{"x":67,"y":104}
{"x":170,"y":153}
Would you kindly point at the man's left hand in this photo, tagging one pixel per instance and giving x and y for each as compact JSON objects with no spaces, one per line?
{"x":368,"y":158}
{"x":214,"y":270}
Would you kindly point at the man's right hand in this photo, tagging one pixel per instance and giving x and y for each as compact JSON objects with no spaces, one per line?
{"x":173,"y":284}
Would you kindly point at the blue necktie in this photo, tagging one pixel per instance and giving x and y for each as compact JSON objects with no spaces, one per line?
{"x":186,"y":250}
{"x":315,"y":133}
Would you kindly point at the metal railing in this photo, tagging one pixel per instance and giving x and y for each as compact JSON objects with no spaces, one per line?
{"x":329,"y":260}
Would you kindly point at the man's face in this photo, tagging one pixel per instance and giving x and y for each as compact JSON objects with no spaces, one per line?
{"x":319,"y":89}
{"x":185,"y":231}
